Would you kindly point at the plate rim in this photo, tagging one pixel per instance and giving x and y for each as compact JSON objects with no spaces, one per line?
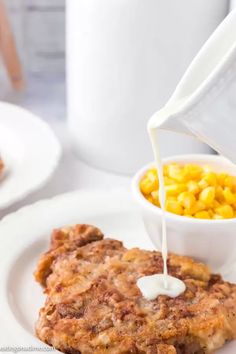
{"x":56,"y":149}
{"x":117,"y":199}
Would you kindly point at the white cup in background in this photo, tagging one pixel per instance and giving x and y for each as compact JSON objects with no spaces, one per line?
{"x":124,"y":59}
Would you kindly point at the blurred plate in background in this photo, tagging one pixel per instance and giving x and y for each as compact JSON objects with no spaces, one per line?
{"x":30,"y":151}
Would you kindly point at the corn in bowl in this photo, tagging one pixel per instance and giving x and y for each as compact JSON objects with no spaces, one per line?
{"x":193,"y":191}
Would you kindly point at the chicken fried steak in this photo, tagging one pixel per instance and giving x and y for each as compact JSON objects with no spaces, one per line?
{"x":94,"y":306}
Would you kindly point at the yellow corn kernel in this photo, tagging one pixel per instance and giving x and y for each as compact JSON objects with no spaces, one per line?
{"x":215,"y":204}
{"x":175,"y":189}
{"x":221,"y":178}
{"x":233,"y":188}
{"x":219,"y":193}
{"x":226,"y":211}
{"x":155,"y":197}
{"x":147,"y":186}
{"x":153,"y":170}
{"x":194,"y":171}
{"x":230,"y":198}
{"x":193,"y":187}
{"x":172,"y":197}
{"x":198,"y":206}
{"x":169,"y":169}
{"x":203,"y":184}
{"x":165,"y":170}
{"x":149,"y":198}
{"x":152,"y":176}
{"x":178,"y":174}
{"x":189,"y":211}
{"x":187,"y":200}
{"x":207,"y":195}
{"x":210,"y":178}
{"x":202,"y":215}
{"x":217,"y":217}
{"x":229,"y":181}
{"x":168,"y":181}
{"x":174,"y":207}
{"x":211,"y":213}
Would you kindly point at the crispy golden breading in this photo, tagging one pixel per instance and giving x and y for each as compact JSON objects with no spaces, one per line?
{"x":1,"y":166}
{"x":94,"y":306}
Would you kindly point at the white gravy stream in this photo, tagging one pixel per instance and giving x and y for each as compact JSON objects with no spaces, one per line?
{"x":160,"y":284}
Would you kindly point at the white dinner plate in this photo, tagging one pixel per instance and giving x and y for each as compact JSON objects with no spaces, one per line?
{"x":30,"y":151}
{"x":25,"y":235}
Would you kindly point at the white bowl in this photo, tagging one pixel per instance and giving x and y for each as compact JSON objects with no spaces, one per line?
{"x":210,"y":241}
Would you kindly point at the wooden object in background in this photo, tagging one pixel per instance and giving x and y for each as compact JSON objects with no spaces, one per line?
{"x":8,"y":50}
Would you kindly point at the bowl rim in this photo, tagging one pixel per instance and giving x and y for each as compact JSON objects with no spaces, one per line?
{"x":207,"y":158}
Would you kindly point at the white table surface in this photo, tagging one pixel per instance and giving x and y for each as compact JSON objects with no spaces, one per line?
{"x":47,"y":99}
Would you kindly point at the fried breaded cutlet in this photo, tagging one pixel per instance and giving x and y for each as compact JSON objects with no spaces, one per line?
{"x":94,"y":306}
{"x":1,"y":166}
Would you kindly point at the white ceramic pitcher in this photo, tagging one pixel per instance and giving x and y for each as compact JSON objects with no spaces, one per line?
{"x":204,"y":102}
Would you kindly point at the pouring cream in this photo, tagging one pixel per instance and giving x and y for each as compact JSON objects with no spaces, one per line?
{"x":160,"y":284}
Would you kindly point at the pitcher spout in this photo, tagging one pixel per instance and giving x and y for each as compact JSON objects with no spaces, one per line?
{"x":169,"y":118}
